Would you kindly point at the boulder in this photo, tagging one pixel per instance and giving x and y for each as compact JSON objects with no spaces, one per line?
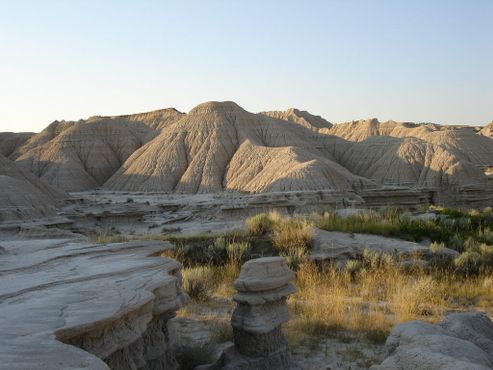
{"x":460,"y":341}
{"x":340,"y":247}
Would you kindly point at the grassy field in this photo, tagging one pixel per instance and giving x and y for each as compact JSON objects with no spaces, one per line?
{"x":369,"y":295}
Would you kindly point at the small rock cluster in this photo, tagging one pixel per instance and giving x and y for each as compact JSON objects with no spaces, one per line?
{"x":263,"y":287}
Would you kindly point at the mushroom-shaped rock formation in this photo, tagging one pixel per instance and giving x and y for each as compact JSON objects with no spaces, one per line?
{"x":263,"y":286}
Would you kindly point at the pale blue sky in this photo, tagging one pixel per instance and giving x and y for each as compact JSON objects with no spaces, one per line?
{"x":426,"y":60}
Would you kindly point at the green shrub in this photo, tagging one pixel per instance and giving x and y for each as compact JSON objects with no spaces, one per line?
{"x":485,"y":235}
{"x":216,"y":251}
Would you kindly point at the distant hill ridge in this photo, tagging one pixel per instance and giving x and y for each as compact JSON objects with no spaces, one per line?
{"x":219,"y":146}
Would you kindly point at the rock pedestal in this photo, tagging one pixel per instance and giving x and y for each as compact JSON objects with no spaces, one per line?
{"x":263,"y":286}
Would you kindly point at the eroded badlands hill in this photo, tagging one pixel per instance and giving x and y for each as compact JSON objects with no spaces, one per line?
{"x":301,"y":117}
{"x":82,"y":155}
{"x":10,"y":141}
{"x":23,"y":195}
{"x":220,"y":146}
{"x":487,"y":130}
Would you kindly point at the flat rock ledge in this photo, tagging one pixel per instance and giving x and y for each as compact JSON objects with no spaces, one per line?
{"x":461,"y":341}
{"x":67,"y":305}
{"x":259,"y":344}
{"x":340,"y":247}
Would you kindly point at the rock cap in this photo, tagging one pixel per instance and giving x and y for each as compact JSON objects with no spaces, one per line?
{"x":263,"y":274}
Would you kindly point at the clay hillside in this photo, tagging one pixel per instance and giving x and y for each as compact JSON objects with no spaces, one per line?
{"x":9,"y":141}
{"x":24,"y":195}
{"x":301,"y":117}
{"x":218,"y":146}
{"x":76,"y":156}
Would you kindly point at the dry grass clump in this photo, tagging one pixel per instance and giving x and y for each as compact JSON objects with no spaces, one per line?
{"x":200,"y":282}
{"x":369,"y":296}
{"x":259,"y":224}
{"x":326,"y":303}
{"x":289,"y":235}
{"x":372,"y":295}
{"x":203,"y":281}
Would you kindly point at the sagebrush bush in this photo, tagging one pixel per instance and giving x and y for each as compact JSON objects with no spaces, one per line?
{"x":485,"y":235}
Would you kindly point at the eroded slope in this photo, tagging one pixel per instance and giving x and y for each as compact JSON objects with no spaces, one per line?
{"x":76,"y":156}
{"x":220,"y":146}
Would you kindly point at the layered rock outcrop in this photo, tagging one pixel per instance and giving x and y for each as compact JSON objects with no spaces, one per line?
{"x":259,"y":343}
{"x":460,"y":341}
{"x":65,"y":305}
{"x":339,"y":247}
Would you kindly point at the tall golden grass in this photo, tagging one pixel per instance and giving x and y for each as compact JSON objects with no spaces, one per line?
{"x":375,"y":292}
{"x":370,"y":301}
